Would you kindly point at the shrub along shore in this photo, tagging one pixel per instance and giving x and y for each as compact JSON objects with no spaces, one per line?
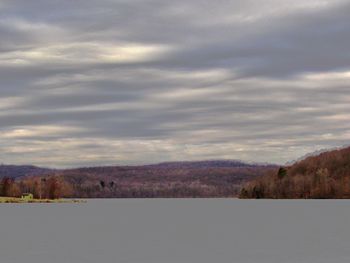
{"x":22,"y":200}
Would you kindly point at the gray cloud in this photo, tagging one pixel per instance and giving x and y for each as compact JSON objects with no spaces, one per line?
{"x":115,"y":82}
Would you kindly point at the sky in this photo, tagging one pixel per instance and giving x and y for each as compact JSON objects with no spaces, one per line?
{"x":110,"y":82}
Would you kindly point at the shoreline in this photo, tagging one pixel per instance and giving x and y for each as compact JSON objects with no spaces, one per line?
{"x":17,"y":200}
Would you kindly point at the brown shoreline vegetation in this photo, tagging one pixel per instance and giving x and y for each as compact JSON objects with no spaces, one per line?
{"x":41,"y":188}
{"x":19,"y":200}
{"x":326,"y":176}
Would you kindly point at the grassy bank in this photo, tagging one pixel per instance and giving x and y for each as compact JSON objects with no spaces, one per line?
{"x":21,"y":200}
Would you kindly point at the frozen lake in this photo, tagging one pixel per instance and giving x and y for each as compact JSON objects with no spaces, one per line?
{"x":176,"y":231}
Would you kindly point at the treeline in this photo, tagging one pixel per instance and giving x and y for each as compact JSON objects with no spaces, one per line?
{"x":176,"y":180}
{"x":324,"y":176}
{"x":159,"y":181}
{"x":49,"y":187}
{"x":152,"y":190}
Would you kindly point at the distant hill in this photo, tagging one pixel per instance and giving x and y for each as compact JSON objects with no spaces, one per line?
{"x":14,"y":171}
{"x":203,"y":164}
{"x":173,"y":179}
{"x":326,"y":175}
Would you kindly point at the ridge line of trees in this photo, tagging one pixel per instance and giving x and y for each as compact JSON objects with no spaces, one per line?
{"x":324,"y":176}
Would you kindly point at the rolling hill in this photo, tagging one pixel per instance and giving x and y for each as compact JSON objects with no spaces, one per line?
{"x":15,"y":171}
{"x":175,"y":179}
{"x":326,"y":175}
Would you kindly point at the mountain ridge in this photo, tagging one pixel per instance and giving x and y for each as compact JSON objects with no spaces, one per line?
{"x":213,"y":178}
{"x":14,"y":171}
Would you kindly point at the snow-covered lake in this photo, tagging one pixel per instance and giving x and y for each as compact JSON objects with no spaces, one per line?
{"x":176,"y":231}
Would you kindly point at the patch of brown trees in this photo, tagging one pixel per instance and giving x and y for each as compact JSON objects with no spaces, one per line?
{"x":49,"y":187}
{"x":323,"y":176}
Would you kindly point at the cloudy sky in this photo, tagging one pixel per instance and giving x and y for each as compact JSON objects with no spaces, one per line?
{"x":98,"y":82}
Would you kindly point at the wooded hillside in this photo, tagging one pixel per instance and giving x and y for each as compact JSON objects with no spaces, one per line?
{"x":324,"y":176}
{"x":176,"y":179}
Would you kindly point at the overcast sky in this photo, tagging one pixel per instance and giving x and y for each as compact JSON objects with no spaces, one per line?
{"x":142,"y":81}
